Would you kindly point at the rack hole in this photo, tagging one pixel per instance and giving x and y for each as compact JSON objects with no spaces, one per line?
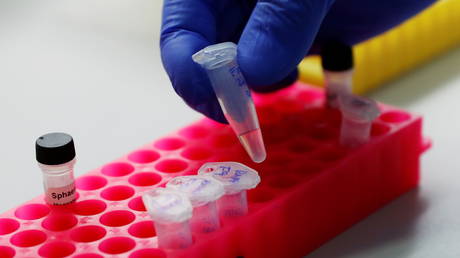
{"x":88,"y":233}
{"x":171,"y":165}
{"x":379,"y":129}
{"x":90,"y":182}
{"x":8,"y":225}
{"x":117,"y":193}
{"x":32,"y":211}
{"x":56,"y":249}
{"x":144,"y":179}
{"x":116,"y":245}
{"x":117,"y":218}
{"x":143,"y":229}
{"x":143,"y":156}
{"x":28,"y":238}
{"x":148,"y":253}
{"x":8,"y":252}
{"x":169,"y":144}
{"x":196,"y":153}
{"x":59,"y":222}
{"x":89,"y":207}
{"x":395,"y":116}
{"x":117,"y":169}
{"x":137,"y":204}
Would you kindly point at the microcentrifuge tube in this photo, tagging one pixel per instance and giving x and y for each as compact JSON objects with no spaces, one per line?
{"x":170,"y":211}
{"x":337,"y":63}
{"x":55,"y":153}
{"x":236,"y":178}
{"x":358,"y":114}
{"x":203,"y":192}
{"x":233,"y":95}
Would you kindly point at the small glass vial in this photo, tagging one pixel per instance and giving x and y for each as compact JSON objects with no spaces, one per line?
{"x":203,"y":192}
{"x":55,"y":153}
{"x":170,"y":211}
{"x":236,"y":178}
{"x":337,"y":63}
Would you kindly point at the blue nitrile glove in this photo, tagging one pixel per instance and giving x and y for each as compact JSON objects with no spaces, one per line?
{"x":272,"y":36}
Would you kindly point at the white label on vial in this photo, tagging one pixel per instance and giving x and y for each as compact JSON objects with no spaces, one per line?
{"x":61,"y":195}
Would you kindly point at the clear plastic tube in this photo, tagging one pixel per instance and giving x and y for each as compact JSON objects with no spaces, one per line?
{"x":358,"y":113}
{"x":233,"y":205}
{"x":175,"y":235}
{"x":337,"y":83}
{"x":236,"y":178}
{"x":203,"y":193}
{"x":205,"y":218}
{"x":170,"y":211}
{"x":233,"y":95}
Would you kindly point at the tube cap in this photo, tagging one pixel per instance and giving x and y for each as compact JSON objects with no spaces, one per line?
{"x":199,"y":189}
{"x":235,"y":176}
{"x":358,"y":108}
{"x":54,"y":149}
{"x":336,"y":56}
{"x":167,"y":205}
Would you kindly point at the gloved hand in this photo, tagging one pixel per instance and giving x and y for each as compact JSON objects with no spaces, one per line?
{"x":272,"y":36}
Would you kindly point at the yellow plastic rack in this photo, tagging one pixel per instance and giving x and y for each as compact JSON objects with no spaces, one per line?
{"x":387,"y":56}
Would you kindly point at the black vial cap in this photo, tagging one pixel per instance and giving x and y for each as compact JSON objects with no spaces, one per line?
{"x":54,"y":149}
{"x":336,"y":56}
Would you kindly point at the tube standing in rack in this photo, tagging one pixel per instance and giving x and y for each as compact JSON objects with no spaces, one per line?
{"x":170,"y":211}
{"x":236,"y":178}
{"x":337,"y":63}
{"x":233,"y":94}
{"x":358,"y":113}
{"x":55,"y":153}
{"x":203,"y":193}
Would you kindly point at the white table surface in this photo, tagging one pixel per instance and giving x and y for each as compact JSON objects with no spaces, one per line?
{"x":93,"y":69}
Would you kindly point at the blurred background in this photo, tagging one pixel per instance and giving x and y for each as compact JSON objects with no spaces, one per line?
{"x":93,"y":69}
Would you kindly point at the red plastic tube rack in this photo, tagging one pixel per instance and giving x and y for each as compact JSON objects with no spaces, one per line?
{"x":312,"y":189}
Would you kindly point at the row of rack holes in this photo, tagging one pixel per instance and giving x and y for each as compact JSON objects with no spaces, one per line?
{"x":119,"y":169}
{"x":96,"y":182}
{"x":142,"y":253}
{"x":114,"y":245}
